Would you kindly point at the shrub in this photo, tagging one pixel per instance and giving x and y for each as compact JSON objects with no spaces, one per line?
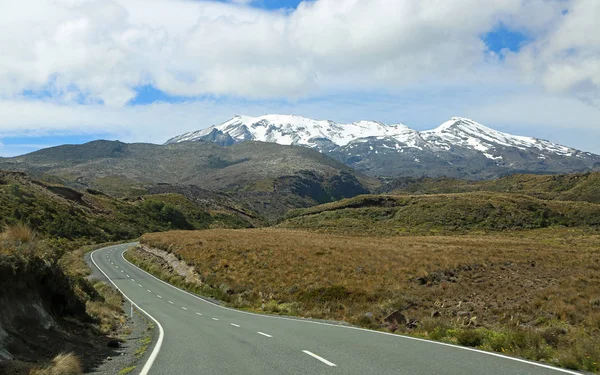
{"x":62,"y":364}
{"x":470,"y":337}
{"x":18,"y":233}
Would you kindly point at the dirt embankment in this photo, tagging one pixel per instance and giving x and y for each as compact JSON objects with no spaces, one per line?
{"x":41,"y":316}
{"x":170,"y":261}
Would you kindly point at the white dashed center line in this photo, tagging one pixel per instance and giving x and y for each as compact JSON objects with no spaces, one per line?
{"x":235,"y":325}
{"x":264,"y":334}
{"x":140,"y":285}
{"x":198,"y":314}
{"x":122,"y":271}
{"x":171,"y":302}
{"x":149,"y":291}
{"x":319,"y":358}
{"x":215,"y":319}
{"x":158,"y":296}
{"x":127,"y":275}
{"x":184,"y":308}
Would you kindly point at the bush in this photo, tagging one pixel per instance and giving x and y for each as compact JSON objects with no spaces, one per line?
{"x":470,"y":337}
{"x":63,"y":364}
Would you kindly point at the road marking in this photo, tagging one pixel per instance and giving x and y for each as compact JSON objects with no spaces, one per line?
{"x":149,"y":291}
{"x":264,"y":334}
{"x":319,"y":358}
{"x":133,"y":280}
{"x":158,"y":296}
{"x":127,"y":275}
{"x":122,"y":271}
{"x":184,"y":308}
{"x":215,"y":319}
{"x":140,"y":285}
{"x":161,"y":332}
{"x":235,"y":325}
{"x":198,"y":314}
{"x":116,"y":266}
{"x":370,"y":331}
{"x":171,"y":302}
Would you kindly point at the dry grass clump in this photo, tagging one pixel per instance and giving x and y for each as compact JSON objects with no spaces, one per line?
{"x":108,"y":310}
{"x":528,"y":293}
{"x":62,"y":364}
{"x":18,"y":239}
{"x":19,"y":233}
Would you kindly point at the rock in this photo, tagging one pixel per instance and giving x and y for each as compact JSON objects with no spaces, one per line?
{"x":369,"y":315}
{"x":114,"y":344}
{"x":412,"y":324}
{"x":435,"y":314}
{"x":396,"y":317}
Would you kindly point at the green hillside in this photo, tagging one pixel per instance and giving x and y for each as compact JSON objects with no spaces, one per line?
{"x":569,"y":187}
{"x":486,"y":211}
{"x":60,"y":212}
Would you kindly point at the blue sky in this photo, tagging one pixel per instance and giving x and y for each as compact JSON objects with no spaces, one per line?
{"x":144,"y":73}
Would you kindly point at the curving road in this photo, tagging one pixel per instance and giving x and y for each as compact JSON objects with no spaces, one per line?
{"x":199,"y":337}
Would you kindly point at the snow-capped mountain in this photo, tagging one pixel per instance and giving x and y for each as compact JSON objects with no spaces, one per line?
{"x":459,"y":147}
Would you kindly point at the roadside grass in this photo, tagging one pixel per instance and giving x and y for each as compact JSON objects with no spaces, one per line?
{"x":62,"y":364}
{"x":127,"y":370}
{"x":529,"y":293}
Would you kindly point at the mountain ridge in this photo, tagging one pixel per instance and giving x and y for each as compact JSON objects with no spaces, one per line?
{"x":459,"y":147}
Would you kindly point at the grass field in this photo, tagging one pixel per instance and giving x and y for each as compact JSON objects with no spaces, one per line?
{"x":532,"y":294}
{"x":442,"y":213}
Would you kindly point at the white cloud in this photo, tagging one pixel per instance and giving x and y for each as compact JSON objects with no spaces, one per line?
{"x":104,"y":48}
{"x":566,"y":58}
{"x":412,"y":61}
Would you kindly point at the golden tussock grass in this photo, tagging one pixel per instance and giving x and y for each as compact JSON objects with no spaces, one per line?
{"x":62,"y":364}
{"x":517,"y":285}
{"x":19,"y":233}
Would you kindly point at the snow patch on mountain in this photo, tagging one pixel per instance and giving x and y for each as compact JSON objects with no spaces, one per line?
{"x":456,"y":133}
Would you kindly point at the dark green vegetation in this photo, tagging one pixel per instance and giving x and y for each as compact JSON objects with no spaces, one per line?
{"x":64,"y":214}
{"x":566,"y":187}
{"x":48,"y":306}
{"x":271,"y":178}
{"x":483,"y":211}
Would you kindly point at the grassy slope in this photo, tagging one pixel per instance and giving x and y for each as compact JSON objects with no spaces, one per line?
{"x":532,"y":293}
{"x":60,"y":212}
{"x":571,"y":187}
{"x":387,"y":214}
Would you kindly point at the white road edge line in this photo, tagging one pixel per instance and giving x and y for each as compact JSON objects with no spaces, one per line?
{"x":498,"y":355}
{"x":264,"y":334}
{"x":161,"y":332}
{"x":319,"y":358}
{"x":235,"y":325}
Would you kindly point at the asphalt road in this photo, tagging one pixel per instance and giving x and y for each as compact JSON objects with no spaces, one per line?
{"x":199,"y":337}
